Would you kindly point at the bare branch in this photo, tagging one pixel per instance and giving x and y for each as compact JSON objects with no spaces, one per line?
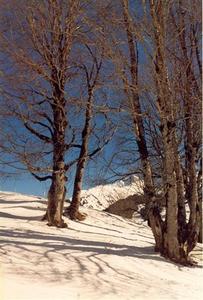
{"x":42,"y":137}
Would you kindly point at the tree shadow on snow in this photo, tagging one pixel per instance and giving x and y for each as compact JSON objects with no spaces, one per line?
{"x":18,"y":201}
{"x":66,"y":258}
{"x":27,"y":218}
{"x":61,"y":257}
{"x":56,"y":244}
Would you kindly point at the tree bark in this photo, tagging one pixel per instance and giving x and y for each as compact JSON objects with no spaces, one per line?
{"x":61,"y":42}
{"x":151,"y":210}
{"x":199,"y":187}
{"x":75,"y":203}
{"x":172,"y":246}
{"x":191,"y":143}
{"x":57,"y":191}
{"x":56,"y":197}
{"x":182,"y":229}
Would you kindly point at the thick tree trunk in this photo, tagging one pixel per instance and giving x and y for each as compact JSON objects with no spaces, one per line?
{"x":192,"y":102}
{"x":62,"y":36}
{"x":174,"y":230}
{"x":171,"y":244}
{"x":191,"y":145}
{"x":200,"y":221}
{"x":56,"y":197}
{"x":57,"y":191}
{"x":199,"y":188}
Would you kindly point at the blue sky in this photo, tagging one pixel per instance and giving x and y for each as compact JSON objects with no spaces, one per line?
{"x":24,"y":184}
{"x":28,"y":185}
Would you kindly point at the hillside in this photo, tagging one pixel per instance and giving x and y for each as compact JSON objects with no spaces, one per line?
{"x":105,"y":257}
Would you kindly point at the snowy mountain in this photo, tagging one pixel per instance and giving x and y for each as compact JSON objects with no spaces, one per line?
{"x":105,"y":257}
{"x":101,"y":196}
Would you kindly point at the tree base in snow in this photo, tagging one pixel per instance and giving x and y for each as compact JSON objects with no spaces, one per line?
{"x":78,"y":216}
{"x":44,"y":217}
{"x":61,"y":224}
{"x":188,"y":262}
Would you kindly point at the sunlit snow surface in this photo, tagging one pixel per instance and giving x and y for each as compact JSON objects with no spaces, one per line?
{"x":104,"y":257}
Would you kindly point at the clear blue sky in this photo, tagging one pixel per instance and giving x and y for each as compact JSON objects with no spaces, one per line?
{"x":24,"y":184}
{"x":28,"y":185}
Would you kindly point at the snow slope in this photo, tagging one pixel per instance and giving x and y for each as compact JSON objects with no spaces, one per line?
{"x":104,"y":257}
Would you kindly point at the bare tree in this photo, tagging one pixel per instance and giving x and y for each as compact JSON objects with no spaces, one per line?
{"x":186,"y":22}
{"x":174,"y":119}
{"x":38,"y":47}
{"x":93,"y":82}
{"x":55,"y":72}
{"x":178,"y":237}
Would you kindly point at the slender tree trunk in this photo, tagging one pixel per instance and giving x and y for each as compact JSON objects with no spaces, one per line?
{"x":151,"y":211}
{"x":75,"y":203}
{"x":194,"y":220}
{"x":74,"y":212}
{"x":182,"y":232}
{"x":135,"y":106}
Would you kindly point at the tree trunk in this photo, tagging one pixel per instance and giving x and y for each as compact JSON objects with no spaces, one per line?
{"x":136,"y":108}
{"x":192,"y":102}
{"x":200,"y":221}
{"x":199,"y":188}
{"x":194,"y":220}
{"x":182,"y":228}
{"x":57,"y":191}
{"x":74,"y":212}
{"x":151,"y":209}
{"x":56,"y":197}
{"x":173,"y":246}
{"x":75,"y":203}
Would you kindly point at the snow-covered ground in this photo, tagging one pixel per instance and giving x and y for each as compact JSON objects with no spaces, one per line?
{"x":104,"y":257}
